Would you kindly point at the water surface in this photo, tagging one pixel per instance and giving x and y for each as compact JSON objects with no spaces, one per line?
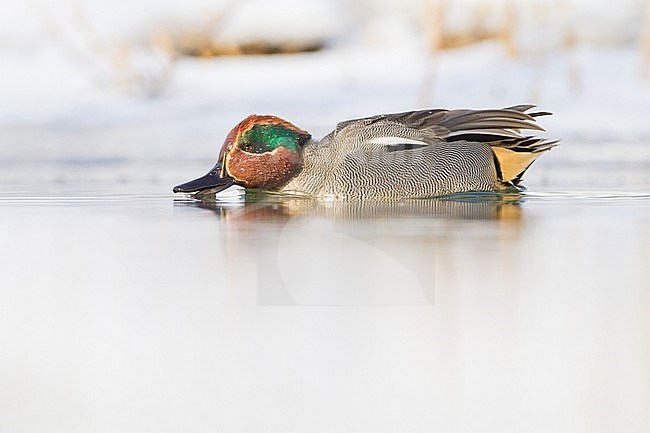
{"x":126,"y":308}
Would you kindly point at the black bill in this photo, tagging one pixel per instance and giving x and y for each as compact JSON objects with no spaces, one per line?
{"x":212,"y":181}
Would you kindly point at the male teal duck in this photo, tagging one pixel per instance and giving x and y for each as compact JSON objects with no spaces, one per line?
{"x":415,"y":154}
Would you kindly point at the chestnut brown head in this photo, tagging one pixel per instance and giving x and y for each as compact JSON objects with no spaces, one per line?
{"x":260,"y":152}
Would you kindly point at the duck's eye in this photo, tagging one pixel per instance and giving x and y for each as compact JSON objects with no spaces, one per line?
{"x":213,"y":173}
{"x":248,"y":148}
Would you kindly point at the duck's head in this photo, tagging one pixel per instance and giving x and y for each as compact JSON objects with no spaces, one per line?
{"x":260,"y":152}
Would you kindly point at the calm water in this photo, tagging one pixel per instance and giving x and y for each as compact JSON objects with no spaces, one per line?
{"x":126,"y":308}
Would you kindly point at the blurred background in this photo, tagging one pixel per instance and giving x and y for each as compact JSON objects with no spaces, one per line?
{"x":115,"y":82}
{"x":126,"y":308}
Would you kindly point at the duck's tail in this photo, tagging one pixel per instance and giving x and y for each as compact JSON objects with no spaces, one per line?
{"x":501,"y":130}
{"x":513,"y":157}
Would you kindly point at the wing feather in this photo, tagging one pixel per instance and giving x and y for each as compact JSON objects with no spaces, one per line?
{"x":447,"y":124}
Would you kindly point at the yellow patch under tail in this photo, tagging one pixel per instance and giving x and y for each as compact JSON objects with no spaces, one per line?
{"x":512,"y":161}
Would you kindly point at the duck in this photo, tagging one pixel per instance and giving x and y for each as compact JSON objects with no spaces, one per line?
{"x":413,"y":154}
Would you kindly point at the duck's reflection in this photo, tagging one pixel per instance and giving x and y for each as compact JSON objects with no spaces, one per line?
{"x":311,"y":252}
{"x":272,"y":207}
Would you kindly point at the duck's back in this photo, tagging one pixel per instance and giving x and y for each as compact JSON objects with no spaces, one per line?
{"x":417,"y":154}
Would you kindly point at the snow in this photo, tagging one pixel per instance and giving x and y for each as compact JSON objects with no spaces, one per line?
{"x":317,"y":90}
{"x":281,"y":22}
{"x":59,"y":101}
